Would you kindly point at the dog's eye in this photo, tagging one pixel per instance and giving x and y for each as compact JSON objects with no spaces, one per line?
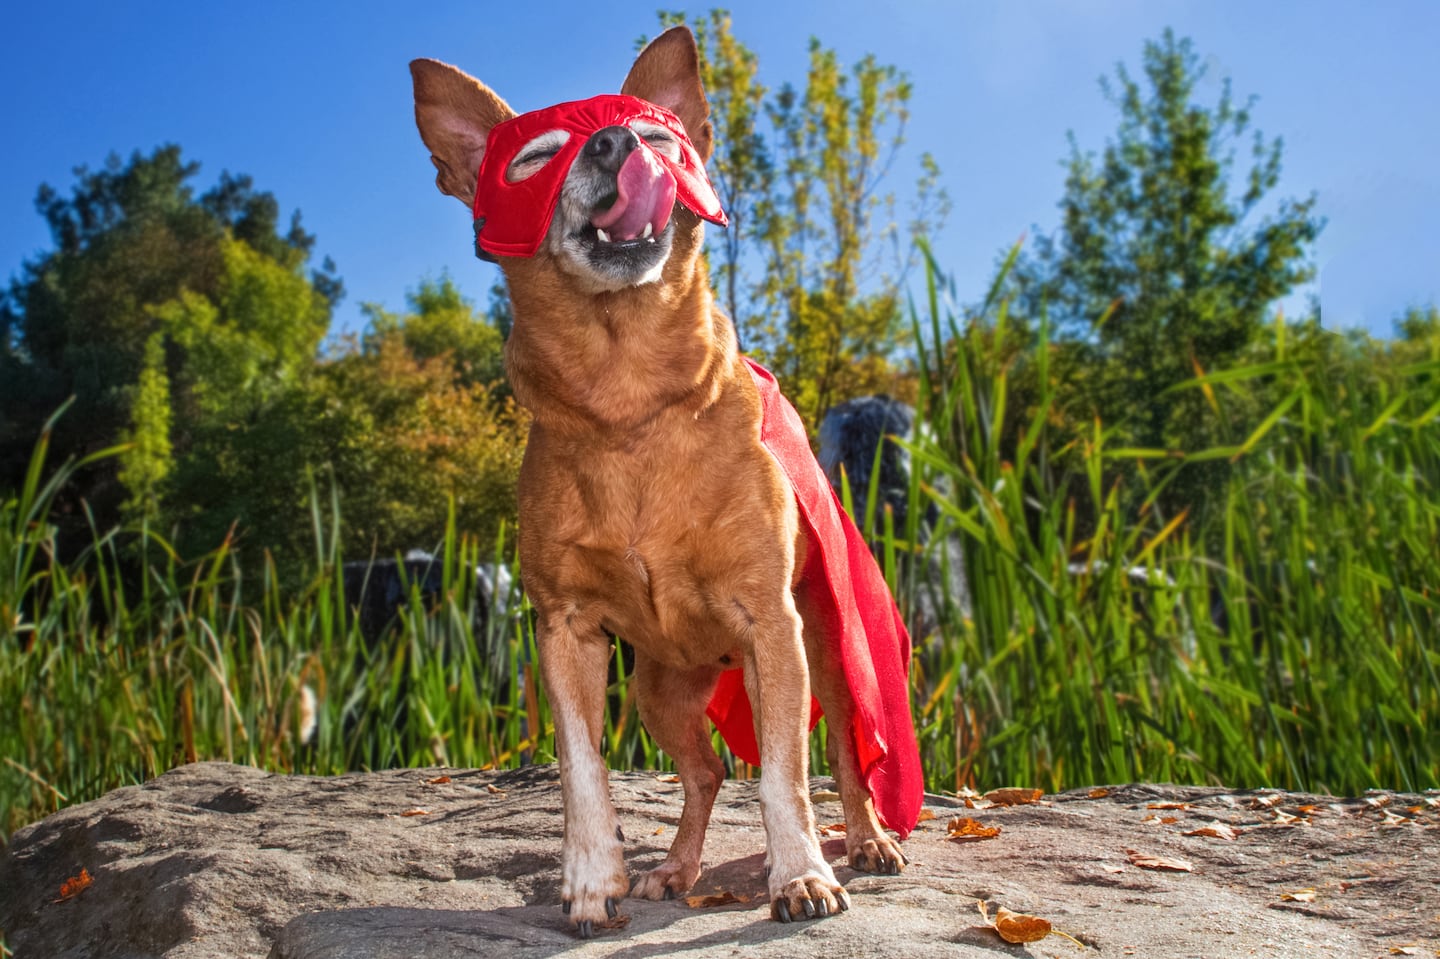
{"x":534,"y":155}
{"x":660,"y":139}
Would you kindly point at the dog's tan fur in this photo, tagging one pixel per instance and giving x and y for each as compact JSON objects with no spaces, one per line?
{"x":650,"y":510}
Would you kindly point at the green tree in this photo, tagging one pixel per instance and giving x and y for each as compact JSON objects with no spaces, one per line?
{"x":1161,"y":267}
{"x":810,"y":216}
{"x":442,"y":323}
{"x":147,"y":463}
{"x":138,"y":253}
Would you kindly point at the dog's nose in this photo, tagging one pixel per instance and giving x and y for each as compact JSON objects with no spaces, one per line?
{"x":608,"y":147}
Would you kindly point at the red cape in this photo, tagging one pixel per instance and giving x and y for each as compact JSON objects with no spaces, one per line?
{"x":863,"y":629}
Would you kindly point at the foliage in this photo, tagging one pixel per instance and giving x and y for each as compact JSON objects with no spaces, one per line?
{"x":1162,"y":267}
{"x":808,"y":213}
{"x":136,"y":254}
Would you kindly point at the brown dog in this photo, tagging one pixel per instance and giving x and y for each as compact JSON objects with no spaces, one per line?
{"x":649,"y":508}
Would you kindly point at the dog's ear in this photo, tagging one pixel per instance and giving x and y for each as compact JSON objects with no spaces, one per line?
{"x":455,"y":113}
{"x":667,"y":73}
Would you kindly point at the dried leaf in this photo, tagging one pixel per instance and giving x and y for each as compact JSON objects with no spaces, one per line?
{"x":1113,"y":869}
{"x":1299,"y":895}
{"x":1013,"y":796}
{"x":438,"y":781}
{"x":1266,"y":802}
{"x":965,"y":829}
{"x":834,"y":827}
{"x":494,"y":790}
{"x":718,"y":899}
{"x":1378,"y":802}
{"x":1404,"y":951}
{"x":416,"y":812}
{"x":658,"y":830}
{"x":926,"y":814}
{"x":825,"y":795}
{"x":1015,"y":927}
{"x":1218,"y":830}
{"x":1099,"y":792}
{"x":1168,"y":805}
{"x":1159,"y":862}
{"x":75,"y":885}
{"x":672,"y":778}
{"x":1283,"y":818}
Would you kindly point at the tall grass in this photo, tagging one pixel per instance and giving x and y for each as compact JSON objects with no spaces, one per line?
{"x":1293,"y":643}
{"x":1106,"y":645}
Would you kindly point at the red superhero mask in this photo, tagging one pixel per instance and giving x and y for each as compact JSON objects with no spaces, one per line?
{"x":511,"y":219}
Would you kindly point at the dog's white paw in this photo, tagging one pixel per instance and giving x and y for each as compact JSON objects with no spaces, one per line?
{"x":591,"y":887}
{"x":811,"y":896}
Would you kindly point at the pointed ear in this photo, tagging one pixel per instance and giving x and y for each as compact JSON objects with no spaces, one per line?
{"x":455,"y":113}
{"x":667,"y":73}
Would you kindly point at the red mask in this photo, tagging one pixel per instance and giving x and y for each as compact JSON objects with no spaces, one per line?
{"x":511,"y":219}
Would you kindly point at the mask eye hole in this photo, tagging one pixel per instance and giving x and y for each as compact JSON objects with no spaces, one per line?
{"x":660,"y":138}
{"x":534,"y":155}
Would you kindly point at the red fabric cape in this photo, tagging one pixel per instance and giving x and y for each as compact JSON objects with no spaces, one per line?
{"x":863,"y":629}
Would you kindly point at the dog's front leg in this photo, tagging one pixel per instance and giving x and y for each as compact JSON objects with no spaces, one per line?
{"x":574,"y":658}
{"x":802,"y":886}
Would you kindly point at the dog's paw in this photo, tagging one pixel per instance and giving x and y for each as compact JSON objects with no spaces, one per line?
{"x":809,"y":897}
{"x":878,"y":854}
{"x":666,"y":881}
{"x":590,"y":891}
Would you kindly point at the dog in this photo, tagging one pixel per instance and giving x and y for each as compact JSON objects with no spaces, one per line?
{"x":651,"y":507}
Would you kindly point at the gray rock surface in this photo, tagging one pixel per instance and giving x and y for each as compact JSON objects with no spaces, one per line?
{"x":219,"y":860}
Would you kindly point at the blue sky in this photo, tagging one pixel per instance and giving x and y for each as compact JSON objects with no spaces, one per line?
{"x":313,"y":101}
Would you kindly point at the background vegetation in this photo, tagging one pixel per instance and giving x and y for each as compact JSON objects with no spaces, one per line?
{"x":1199,"y":538}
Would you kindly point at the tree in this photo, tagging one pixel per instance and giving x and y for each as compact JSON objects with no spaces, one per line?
{"x":138,"y":254}
{"x":1158,"y":269}
{"x":809,"y":216}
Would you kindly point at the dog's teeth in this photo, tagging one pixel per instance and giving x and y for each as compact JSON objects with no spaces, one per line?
{"x":649,"y":229}
{"x":604,"y":237}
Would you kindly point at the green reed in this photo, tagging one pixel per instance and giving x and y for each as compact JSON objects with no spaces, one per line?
{"x":1290,"y":638}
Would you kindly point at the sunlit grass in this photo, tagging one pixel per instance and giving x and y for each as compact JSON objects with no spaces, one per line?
{"x":1290,"y":641}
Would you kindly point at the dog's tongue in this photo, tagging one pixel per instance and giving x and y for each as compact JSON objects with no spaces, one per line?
{"x":646,"y":196}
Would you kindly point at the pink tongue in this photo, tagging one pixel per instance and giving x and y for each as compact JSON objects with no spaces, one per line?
{"x":646,"y":195}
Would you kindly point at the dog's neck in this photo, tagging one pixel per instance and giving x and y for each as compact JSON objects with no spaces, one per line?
{"x":617,"y":362}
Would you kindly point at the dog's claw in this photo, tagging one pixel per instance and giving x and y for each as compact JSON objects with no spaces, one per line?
{"x":782,"y":911}
{"x":612,"y":909}
{"x":823,"y":907}
{"x":809,"y":908}
{"x":843,"y":898}
{"x":669,"y":893}
{"x":565,"y":907}
{"x":586,"y":929}
{"x":619,"y":834}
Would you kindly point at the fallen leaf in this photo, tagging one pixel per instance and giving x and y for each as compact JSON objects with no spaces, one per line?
{"x":718,"y":899}
{"x":1404,"y":951}
{"x":1377,"y":802}
{"x":672,"y":778}
{"x":1099,"y":792}
{"x":1217,"y":830}
{"x":1013,"y":797}
{"x":825,"y":795}
{"x":416,"y":812}
{"x":1168,"y":805}
{"x":658,"y":830}
{"x":1266,"y":802}
{"x":1283,"y":818}
{"x":965,"y":829}
{"x":1299,"y":895}
{"x":1159,"y":862}
{"x":1113,"y":869}
{"x":619,"y":922}
{"x":494,"y":790}
{"x":926,"y":815}
{"x":1013,"y":926}
{"x":438,"y":781}
{"x":75,"y":885}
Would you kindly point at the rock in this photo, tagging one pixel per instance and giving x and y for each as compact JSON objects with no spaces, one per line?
{"x":215,"y":860}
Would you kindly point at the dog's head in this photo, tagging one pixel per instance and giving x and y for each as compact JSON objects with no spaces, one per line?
{"x":592,"y":185}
